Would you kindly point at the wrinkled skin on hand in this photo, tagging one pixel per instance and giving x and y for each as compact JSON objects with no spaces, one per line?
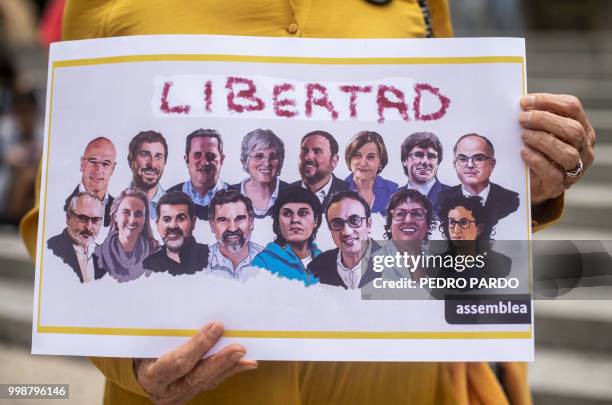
{"x":557,"y":133}
{"x":180,"y":375}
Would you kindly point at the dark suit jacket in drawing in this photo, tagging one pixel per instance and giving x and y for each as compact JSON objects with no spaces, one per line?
{"x":107,"y":207}
{"x":500,"y":203}
{"x":325,"y":268}
{"x":337,"y":186}
{"x":434,"y":194}
{"x":61,"y":246}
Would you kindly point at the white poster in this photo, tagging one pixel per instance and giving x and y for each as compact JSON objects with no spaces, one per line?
{"x":312,"y":195}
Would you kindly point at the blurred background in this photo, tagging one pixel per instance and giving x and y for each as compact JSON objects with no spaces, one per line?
{"x":569,"y":50}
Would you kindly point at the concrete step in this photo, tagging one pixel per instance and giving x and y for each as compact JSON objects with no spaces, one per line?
{"x":569,"y":63}
{"x":583,"y":57}
{"x":601,"y":170}
{"x":548,"y":40}
{"x":590,"y":195}
{"x":16,"y":268}
{"x":562,"y":40}
{"x":590,"y":216}
{"x":588,"y":204}
{"x":601,"y":120}
{"x":563,"y":377}
{"x":593,"y":93}
{"x":604,"y":136}
{"x":16,"y":308}
{"x":20,"y":367}
{"x":15,"y":262}
{"x":562,"y":232}
{"x":580,"y":325}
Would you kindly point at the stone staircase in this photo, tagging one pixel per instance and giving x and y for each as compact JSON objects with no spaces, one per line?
{"x":574,"y":337}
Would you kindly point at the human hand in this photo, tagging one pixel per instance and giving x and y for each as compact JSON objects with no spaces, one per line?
{"x":557,"y":137}
{"x":180,"y":375}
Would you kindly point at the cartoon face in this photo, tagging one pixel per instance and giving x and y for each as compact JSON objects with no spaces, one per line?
{"x":148,"y":164}
{"x":316,"y":160}
{"x":232,"y":225}
{"x":175,"y":225}
{"x":97,"y":165}
{"x":365,"y":162}
{"x":84,"y":221}
{"x":348,"y":225}
{"x":204,"y":162}
{"x":263,"y":165}
{"x":297,"y":222}
{"x":421,"y":165}
{"x":409,"y":221}
{"x":130,"y":217}
{"x":461,"y":224}
{"x":473,"y":163}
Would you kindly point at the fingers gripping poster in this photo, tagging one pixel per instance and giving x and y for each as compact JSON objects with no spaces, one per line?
{"x":323,"y":199}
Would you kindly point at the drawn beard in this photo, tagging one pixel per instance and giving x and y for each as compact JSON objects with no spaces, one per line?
{"x":235,"y":244}
{"x":174,"y":245}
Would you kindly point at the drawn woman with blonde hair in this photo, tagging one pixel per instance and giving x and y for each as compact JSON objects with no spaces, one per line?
{"x":130,"y":239}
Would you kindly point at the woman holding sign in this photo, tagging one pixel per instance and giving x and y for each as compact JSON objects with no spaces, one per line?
{"x":130,"y":239}
{"x":366,"y":156}
{"x":182,"y":375}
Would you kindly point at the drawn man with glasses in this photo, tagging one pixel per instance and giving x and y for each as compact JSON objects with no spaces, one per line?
{"x":474,"y":163}
{"x":97,"y":165}
{"x":75,"y":245}
{"x":349,"y":221}
{"x":204,"y":158}
{"x":421,"y":157}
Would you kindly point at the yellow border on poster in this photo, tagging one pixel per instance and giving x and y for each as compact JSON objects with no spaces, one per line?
{"x":290,"y":334}
{"x":276,"y":334}
{"x":287,"y":59}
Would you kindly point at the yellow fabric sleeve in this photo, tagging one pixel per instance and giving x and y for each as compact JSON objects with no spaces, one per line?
{"x":440,"y":19}
{"x":119,"y":371}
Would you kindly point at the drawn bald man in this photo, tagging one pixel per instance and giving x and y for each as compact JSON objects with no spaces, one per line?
{"x":97,"y":165}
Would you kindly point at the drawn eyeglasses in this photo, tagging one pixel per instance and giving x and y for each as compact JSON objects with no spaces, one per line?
{"x":463,"y":223}
{"x":260,"y":157}
{"x":84,"y":219}
{"x":399,"y":214}
{"x":354,"y":221}
{"x":477,"y":160}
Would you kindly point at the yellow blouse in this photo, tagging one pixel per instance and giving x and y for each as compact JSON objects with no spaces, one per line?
{"x":272,"y":18}
{"x":296,"y":382}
